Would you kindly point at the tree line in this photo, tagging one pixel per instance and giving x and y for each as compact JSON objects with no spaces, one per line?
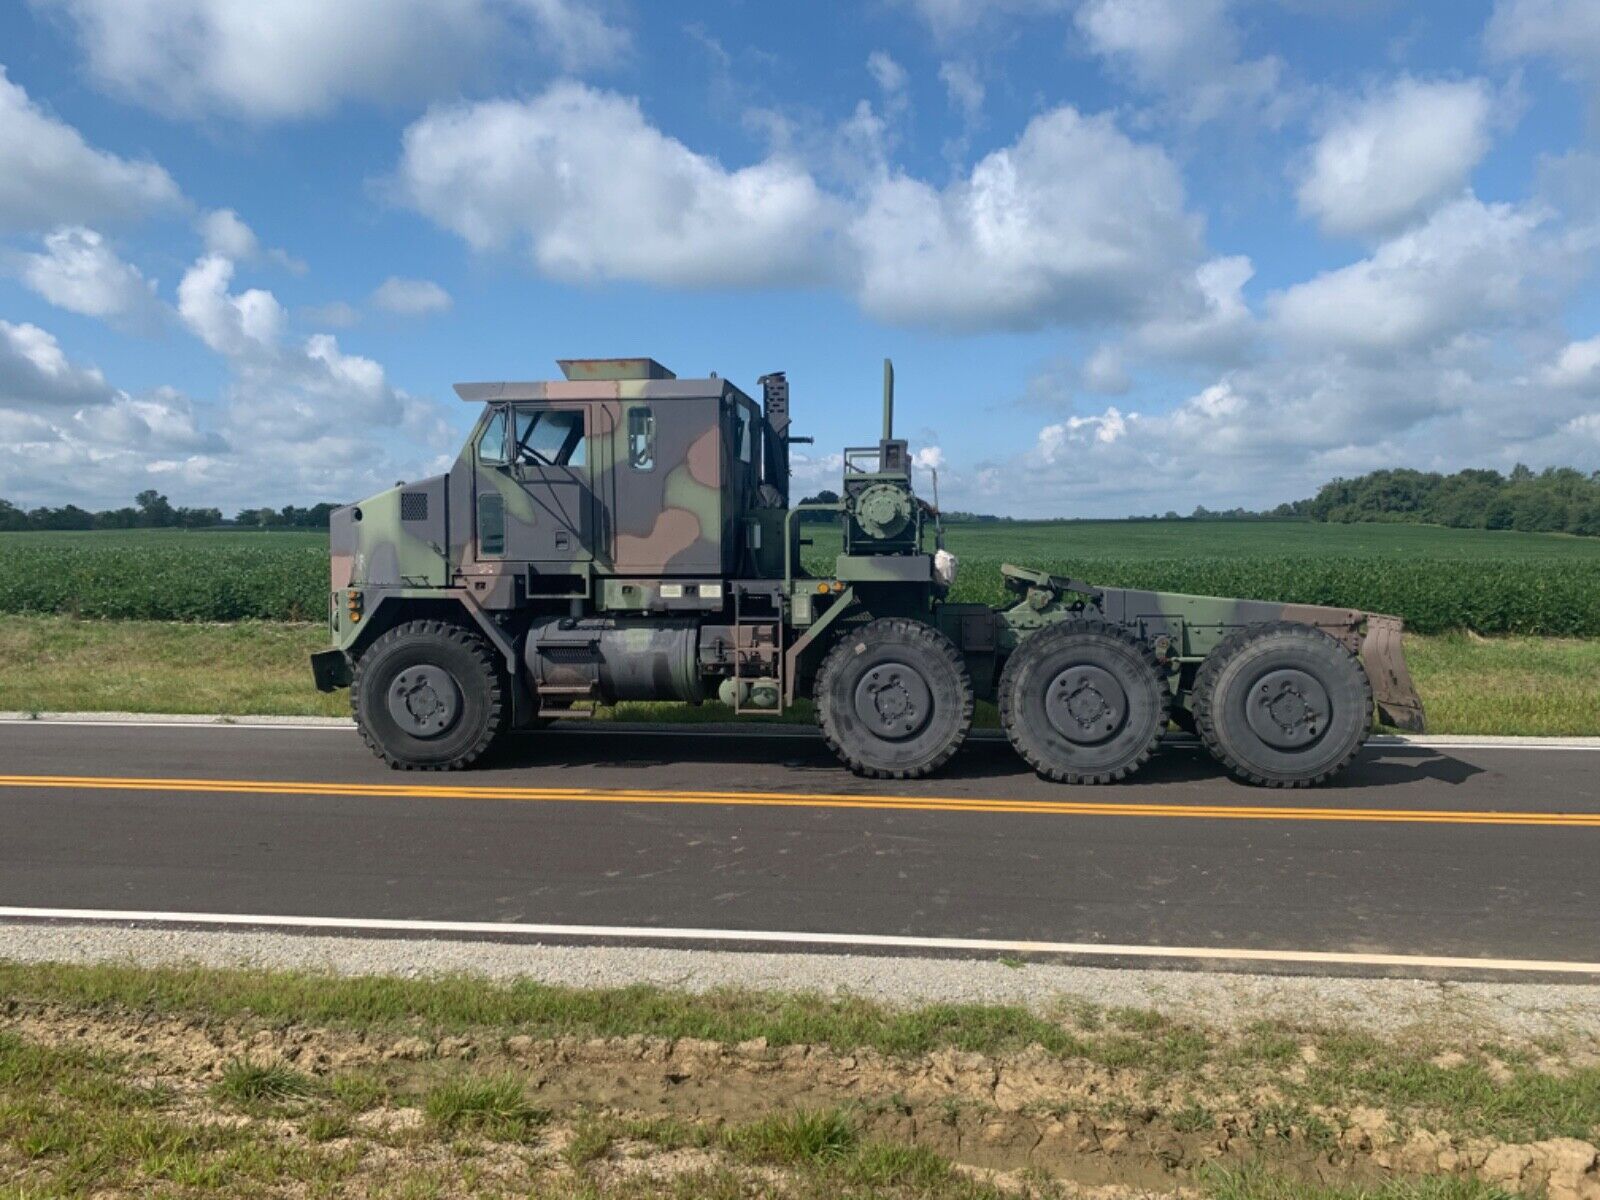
{"x":1555,"y":500}
{"x":152,"y":510}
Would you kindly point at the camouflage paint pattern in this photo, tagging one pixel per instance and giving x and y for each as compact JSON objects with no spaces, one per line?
{"x":562,"y":531}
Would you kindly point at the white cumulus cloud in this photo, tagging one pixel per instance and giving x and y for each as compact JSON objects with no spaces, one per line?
{"x":889,"y":75}
{"x":1105,"y":371}
{"x":249,"y":324}
{"x":224,"y":232}
{"x":1577,"y":366}
{"x":50,"y":175}
{"x":1467,"y":268}
{"x":544,"y":173}
{"x":1390,"y":157}
{"x":67,"y":435}
{"x":34,"y":371}
{"x":1073,"y":222}
{"x":80,"y":272}
{"x":410,"y":297}
{"x":1189,"y":52}
{"x":1565,"y":31}
{"x":301,"y":58}
{"x":964,"y":89}
{"x":1207,"y":317}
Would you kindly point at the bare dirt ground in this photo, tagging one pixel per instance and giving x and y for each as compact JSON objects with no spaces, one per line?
{"x":1026,"y":1122}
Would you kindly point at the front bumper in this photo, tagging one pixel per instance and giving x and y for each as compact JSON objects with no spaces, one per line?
{"x":330,"y":669}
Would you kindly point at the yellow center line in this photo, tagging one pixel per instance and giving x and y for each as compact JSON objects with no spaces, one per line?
{"x":1073,"y":808}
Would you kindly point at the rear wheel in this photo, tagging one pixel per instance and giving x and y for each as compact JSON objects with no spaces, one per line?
{"x":894,"y":699}
{"x":1083,"y":702}
{"x":1282,"y":705}
{"x":429,"y":696}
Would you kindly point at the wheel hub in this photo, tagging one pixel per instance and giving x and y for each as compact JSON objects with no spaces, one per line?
{"x":1086,"y":704}
{"x":893,"y":700}
{"x":424,"y":701}
{"x":1288,"y":709}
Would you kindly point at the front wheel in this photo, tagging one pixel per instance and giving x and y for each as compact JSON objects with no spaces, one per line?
{"x":894,"y":699}
{"x":1083,"y":702}
{"x":429,"y":696}
{"x":1282,"y":705}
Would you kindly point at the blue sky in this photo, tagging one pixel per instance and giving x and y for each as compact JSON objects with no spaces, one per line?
{"x":1128,"y":255}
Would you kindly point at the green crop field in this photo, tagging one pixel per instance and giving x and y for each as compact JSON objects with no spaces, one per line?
{"x":167,"y":574}
{"x":1437,"y":579}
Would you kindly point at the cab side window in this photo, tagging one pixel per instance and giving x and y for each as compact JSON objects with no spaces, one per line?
{"x":641,"y":438}
{"x":492,"y":443}
{"x":740,"y":439}
{"x":553,"y":437}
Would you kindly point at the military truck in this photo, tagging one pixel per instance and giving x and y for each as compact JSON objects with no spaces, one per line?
{"x":623,"y":534}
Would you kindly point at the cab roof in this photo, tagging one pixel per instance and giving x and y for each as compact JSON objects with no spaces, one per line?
{"x":601,"y":379}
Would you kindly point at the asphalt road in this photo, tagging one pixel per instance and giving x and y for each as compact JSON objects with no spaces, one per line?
{"x":1427,"y":851}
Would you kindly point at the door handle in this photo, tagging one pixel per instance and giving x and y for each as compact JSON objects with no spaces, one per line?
{"x":563,"y":541}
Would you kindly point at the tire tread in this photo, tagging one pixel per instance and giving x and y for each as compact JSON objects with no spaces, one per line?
{"x":883,"y":628}
{"x":479,"y":650}
{"x":1029,"y":753}
{"x":1203,"y":697}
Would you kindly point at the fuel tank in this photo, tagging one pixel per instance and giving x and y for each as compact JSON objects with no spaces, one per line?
{"x":620,"y":658}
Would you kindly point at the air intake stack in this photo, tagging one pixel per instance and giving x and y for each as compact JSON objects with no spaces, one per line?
{"x":775,"y":453}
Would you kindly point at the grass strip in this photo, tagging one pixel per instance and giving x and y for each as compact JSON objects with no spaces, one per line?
{"x":455,"y":1004}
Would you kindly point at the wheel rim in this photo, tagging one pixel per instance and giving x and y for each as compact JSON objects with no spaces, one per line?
{"x":893,"y":700}
{"x":424,"y":701}
{"x":1086,"y":705}
{"x":1288,"y":709}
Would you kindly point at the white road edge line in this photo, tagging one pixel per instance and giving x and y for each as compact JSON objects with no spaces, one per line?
{"x":620,"y":729}
{"x":789,"y":937}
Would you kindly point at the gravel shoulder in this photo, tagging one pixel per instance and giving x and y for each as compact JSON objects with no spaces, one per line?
{"x":1518,"y":1011}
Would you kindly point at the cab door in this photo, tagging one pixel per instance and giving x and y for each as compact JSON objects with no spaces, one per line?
{"x":542,"y":498}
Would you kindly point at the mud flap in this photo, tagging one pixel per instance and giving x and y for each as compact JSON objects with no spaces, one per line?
{"x":1385,"y":661}
{"x":330,"y":669}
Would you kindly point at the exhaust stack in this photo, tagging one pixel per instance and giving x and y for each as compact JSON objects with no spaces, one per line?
{"x":888,"y":400}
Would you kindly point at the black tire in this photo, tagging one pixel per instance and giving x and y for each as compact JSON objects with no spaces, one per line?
{"x":1282,"y":705}
{"x":429,"y":696}
{"x":894,"y":699}
{"x":1083,"y":702}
